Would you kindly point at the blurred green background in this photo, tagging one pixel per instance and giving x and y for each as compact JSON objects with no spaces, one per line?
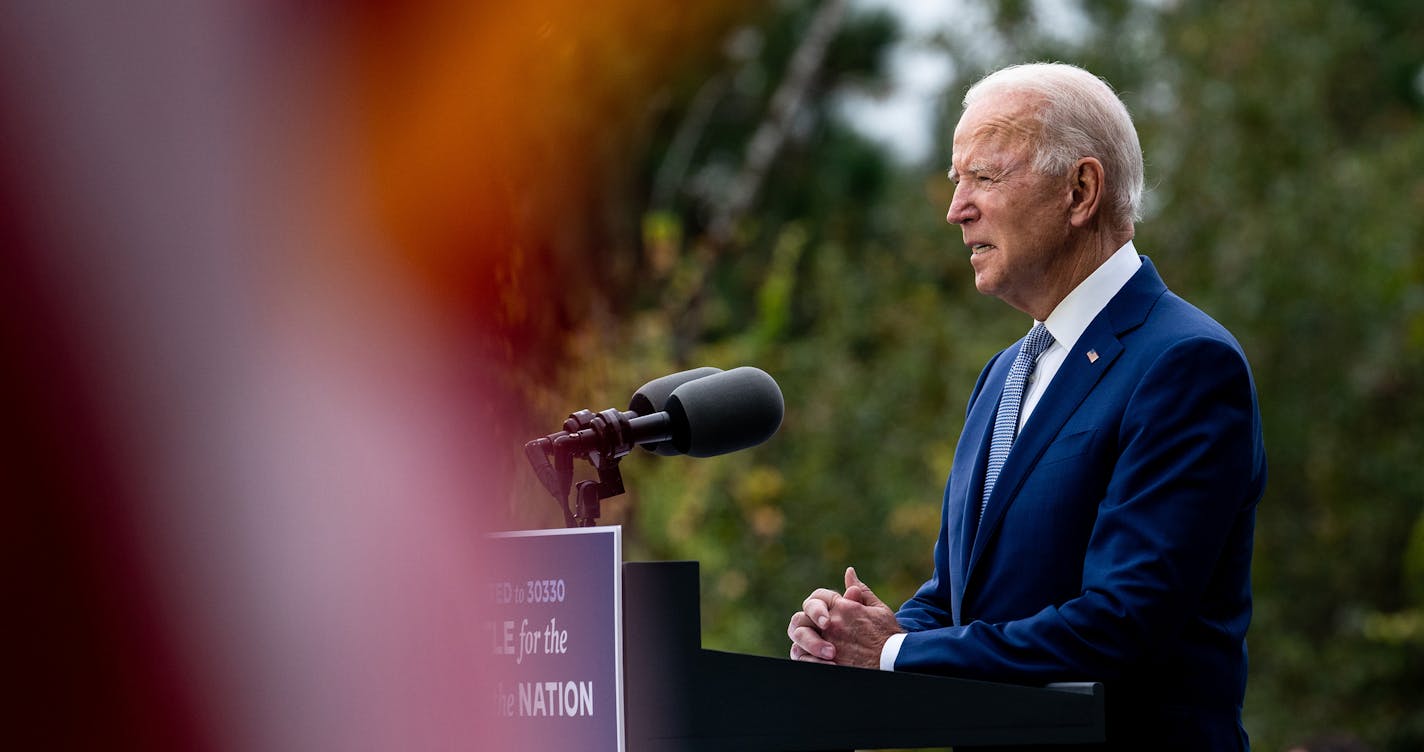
{"x":733,"y":207}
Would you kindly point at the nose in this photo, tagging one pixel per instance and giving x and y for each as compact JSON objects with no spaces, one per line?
{"x":961,"y":208}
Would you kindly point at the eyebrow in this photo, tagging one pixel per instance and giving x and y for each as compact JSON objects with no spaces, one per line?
{"x":974,"y":169}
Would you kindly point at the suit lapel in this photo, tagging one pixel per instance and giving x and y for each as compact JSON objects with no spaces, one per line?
{"x":1072,"y":384}
{"x":978,"y":428}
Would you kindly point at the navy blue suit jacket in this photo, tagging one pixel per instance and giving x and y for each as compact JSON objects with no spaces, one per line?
{"x":1116,"y":546}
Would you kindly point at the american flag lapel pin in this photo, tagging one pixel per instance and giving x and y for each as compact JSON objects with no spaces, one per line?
{"x":1092,"y":356}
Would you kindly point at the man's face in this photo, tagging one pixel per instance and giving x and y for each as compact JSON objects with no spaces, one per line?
{"x":1015,"y":221}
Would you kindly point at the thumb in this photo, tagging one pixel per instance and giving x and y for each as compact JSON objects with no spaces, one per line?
{"x":858,"y":591}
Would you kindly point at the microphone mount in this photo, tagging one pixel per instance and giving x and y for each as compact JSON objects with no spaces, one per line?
{"x":701,"y":412}
{"x":601,"y":438}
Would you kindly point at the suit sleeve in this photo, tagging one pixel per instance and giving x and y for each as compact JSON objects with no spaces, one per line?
{"x":925,"y":611}
{"x":1189,"y":466}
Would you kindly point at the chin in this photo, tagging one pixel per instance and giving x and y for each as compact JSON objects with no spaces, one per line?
{"x":984,"y":284}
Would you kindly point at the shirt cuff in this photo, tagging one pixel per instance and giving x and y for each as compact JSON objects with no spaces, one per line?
{"x":891,"y":651}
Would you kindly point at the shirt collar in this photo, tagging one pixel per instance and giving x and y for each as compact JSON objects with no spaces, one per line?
{"x":1071,"y":318}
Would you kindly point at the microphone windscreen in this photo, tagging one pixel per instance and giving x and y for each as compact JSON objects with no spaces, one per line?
{"x":652,"y":397}
{"x":725,"y":412}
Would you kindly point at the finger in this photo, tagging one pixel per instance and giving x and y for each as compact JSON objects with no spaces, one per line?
{"x":799,"y":654}
{"x":813,"y":643}
{"x":818,"y":613}
{"x":862,"y":595}
{"x":803,"y":656}
{"x":799,"y":619}
{"x":818,"y":606}
{"x":858,"y":591}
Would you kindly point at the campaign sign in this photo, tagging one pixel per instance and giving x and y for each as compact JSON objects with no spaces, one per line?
{"x":556,"y":638}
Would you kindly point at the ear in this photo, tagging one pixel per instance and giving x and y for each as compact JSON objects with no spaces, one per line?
{"x":1086,"y":191}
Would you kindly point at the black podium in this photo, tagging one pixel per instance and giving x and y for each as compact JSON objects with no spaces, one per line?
{"x":679,"y":696}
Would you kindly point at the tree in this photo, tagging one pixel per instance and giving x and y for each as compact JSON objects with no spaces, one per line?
{"x":1285,"y":200}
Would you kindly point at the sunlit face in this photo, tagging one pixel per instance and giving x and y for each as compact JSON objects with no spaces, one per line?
{"x":1015,"y":220}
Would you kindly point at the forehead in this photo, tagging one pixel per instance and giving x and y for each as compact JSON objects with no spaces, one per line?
{"x":997,"y":122}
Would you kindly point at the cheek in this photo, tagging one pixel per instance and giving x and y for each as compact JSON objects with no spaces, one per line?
{"x":1032,"y":231}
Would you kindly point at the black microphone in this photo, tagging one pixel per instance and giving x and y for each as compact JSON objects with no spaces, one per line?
{"x":702,"y":412}
{"x":652,"y":397}
{"x":724,"y":412}
{"x":703,"y":416}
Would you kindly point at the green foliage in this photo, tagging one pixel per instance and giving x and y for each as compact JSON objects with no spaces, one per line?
{"x":1289,"y":206}
{"x":1283,"y":141}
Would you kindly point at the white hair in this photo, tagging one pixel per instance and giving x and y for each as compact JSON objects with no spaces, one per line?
{"x":1081,"y":116}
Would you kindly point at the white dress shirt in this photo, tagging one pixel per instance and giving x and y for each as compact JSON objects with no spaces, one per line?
{"x":1066,"y":323}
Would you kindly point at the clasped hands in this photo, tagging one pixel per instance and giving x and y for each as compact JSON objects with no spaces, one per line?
{"x":846,"y":629}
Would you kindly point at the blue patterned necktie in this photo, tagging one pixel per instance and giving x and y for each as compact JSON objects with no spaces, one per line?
{"x":1006,"y":424}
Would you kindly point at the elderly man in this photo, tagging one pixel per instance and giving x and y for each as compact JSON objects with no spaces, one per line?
{"x":1097,"y":522}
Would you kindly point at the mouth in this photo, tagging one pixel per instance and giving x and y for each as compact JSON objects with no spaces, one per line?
{"x":978,"y":248}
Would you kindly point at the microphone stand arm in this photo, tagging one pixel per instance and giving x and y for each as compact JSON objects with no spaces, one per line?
{"x":603,"y":439}
{"x":590,"y":493}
